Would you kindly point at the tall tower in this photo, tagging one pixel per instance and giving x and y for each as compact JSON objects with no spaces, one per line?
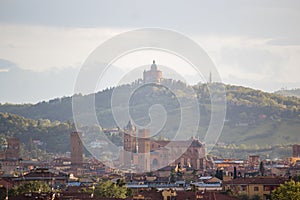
{"x":210,"y":77}
{"x":76,"y":149}
{"x":13,"y":149}
{"x":296,"y":150}
{"x":144,"y":149}
{"x":129,"y":143}
{"x":153,"y":75}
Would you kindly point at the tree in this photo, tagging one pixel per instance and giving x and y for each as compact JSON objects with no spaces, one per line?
{"x":246,"y":197}
{"x":32,"y":186}
{"x":234,"y":173}
{"x":243,"y":197}
{"x":172,"y":176}
{"x":108,"y":189}
{"x":255,"y":197}
{"x":288,"y":191}
{"x":219,"y":174}
{"x":262,"y":168}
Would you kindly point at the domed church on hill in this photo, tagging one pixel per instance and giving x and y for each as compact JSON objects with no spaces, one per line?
{"x":153,"y":75}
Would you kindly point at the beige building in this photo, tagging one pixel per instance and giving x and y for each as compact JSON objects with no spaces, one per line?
{"x":261,"y":186}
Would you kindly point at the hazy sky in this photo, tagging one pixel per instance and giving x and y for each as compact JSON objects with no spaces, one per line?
{"x":252,"y":43}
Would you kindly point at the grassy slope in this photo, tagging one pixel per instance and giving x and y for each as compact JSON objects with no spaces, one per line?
{"x":267,"y":132}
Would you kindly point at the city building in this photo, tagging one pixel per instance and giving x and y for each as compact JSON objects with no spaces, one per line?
{"x":149,"y":155}
{"x":129,"y":142}
{"x":253,"y":161}
{"x":13,"y":149}
{"x":261,"y":186}
{"x":46,"y":175}
{"x":296,"y":150}
{"x":10,"y":155}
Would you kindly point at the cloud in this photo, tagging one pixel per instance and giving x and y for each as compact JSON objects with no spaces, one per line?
{"x":285,"y":42}
{"x":41,"y":47}
{"x":22,"y":86}
{"x":263,"y":62}
{"x":253,"y":61}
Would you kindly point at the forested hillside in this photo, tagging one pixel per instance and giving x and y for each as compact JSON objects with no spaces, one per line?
{"x":243,"y":104}
{"x":42,"y":134}
{"x":289,"y":93}
{"x":253,"y":117}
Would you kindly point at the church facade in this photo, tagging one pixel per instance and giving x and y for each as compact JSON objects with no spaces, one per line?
{"x":145,"y":154}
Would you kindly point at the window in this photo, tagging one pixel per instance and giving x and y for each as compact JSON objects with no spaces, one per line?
{"x":243,"y":187}
{"x":266,"y":188}
{"x":256,"y":189}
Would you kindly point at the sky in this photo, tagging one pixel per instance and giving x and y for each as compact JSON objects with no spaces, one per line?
{"x":43,"y":44}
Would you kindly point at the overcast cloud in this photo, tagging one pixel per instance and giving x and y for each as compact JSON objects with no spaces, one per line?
{"x":252,"y":43}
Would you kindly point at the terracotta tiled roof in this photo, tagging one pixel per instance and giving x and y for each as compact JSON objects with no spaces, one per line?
{"x":257,"y":180}
{"x":180,"y":143}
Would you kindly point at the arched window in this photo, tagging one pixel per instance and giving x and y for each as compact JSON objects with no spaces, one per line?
{"x":154,"y":162}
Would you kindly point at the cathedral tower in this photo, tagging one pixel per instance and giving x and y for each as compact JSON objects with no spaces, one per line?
{"x":129,"y":142}
{"x":144,"y":149}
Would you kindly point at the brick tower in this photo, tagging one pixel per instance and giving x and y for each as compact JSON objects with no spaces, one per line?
{"x":129,"y":143}
{"x":144,"y":150}
{"x":13,"y":149}
{"x":296,"y":150}
{"x":76,"y":149}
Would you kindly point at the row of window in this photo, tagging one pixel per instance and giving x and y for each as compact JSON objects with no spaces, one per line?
{"x":256,"y":189}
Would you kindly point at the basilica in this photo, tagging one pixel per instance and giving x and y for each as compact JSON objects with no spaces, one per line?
{"x":145,"y":154}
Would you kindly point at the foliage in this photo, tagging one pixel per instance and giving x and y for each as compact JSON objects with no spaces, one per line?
{"x":246,"y":197}
{"x":32,"y":186}
{"x":252,"y":116}
{"x":288,"y":191}
{"x":172,"y":176}
{"x":37,"y":135}
{"x":108,"y":189}
{"x":234,"y":173}
{"x":255,"y":197}
{"x":296,"y":178}
{"x":219,"y":174}
{"x":244,"y":104}
{"x":243,"y":197}
{"x":289,"y":93}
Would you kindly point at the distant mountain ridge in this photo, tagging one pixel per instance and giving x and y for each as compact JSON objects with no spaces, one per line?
{"x":289,"y":93}
{"x":23,"y":85}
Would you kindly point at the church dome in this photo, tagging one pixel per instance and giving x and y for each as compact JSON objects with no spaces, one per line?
{"x":153,"y":66}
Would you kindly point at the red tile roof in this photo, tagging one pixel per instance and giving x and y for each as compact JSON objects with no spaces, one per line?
{"x":257,"y":180}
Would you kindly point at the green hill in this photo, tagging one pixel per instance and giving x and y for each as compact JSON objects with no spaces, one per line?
{"x":243,"y":104}
{"x":52,"y":136}
{"x":253,"y":117}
